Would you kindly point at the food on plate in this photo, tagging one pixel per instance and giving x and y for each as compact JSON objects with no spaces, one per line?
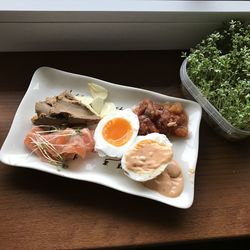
{"x":150,"y":161}
{"x":97,"y":103}
{"x":148,"y":157}
{"x":116,"y":132}
{"x":137,"y":136}
{"x":98,"y":91}
{"x":63,"y":109}
{"x":170,"y":183}
{"x":58,"y":146}
{"x":166,"y":118}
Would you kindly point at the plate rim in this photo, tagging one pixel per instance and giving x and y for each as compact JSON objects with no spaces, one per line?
{"x":4,"y":157}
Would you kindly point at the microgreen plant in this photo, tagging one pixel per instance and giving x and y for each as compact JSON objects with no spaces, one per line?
{"x":220,"y":67}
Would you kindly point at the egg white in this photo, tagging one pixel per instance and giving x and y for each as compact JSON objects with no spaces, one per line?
{"x":104,"y":148}
{"x":142,"y":176}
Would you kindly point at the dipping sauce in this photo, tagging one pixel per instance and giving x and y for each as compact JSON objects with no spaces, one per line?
{"x":170,"y":183}
{"x":148,"y":157}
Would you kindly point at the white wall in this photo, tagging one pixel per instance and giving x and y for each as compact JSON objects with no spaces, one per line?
{"x":32,"y":25}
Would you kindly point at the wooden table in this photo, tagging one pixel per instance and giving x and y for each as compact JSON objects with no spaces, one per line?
{"x":38,"y":210}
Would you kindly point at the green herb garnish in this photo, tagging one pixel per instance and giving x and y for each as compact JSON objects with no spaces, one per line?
{"x":220,"y":67}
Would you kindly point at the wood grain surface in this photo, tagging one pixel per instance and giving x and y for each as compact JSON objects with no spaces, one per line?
{"x":42,"y":211}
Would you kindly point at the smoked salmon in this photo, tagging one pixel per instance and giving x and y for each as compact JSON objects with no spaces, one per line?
{"x":58,"y":146}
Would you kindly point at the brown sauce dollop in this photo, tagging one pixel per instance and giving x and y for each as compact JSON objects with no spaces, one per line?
{"x":170,"y":183}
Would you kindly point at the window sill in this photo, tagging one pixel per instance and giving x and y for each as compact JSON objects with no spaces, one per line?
{"x":112,"y":25}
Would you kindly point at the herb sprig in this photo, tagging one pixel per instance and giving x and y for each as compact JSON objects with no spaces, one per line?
{"x":220,"y":67}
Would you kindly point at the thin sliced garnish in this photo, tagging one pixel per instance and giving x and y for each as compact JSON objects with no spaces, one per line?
{"x":85,"y":101}
{"x":108,"y":108}
{"x":96,"y":104}
{"x":44,"y":146}
{"x":98,"y":91}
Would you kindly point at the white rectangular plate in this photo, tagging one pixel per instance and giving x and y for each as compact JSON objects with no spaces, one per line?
{"x":49,"y":82}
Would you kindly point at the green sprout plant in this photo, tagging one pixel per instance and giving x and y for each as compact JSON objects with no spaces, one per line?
{"x":220,"y":67}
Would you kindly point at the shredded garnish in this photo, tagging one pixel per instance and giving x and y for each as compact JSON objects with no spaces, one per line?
{"x":44,"y":147}
{"x":48,"y":150}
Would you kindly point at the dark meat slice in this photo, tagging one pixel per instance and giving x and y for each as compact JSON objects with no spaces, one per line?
{"x":173,"y":120}
{"x":44,"y":119}
{"x":175,"y":108}
{"x":166,"y":118}
{"x":148,"y":108}
{"x":151,"y":110}
{"x":42,"y":108}
{"x":63,"y":109}
{"x":181,"y":131}
{"x":140,"y":108}
{"x":146,"y":125}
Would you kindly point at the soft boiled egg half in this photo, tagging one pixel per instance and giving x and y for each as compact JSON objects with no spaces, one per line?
{"x":148,"y":157}
{"x":116,"y":132}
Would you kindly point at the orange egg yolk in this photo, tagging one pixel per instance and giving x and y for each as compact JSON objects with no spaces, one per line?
{"x":117,"y":131}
